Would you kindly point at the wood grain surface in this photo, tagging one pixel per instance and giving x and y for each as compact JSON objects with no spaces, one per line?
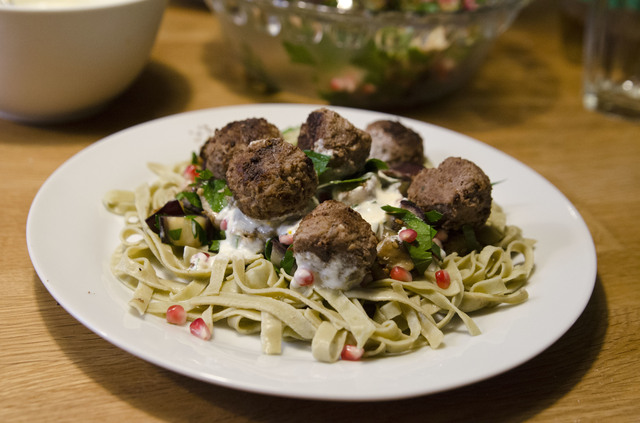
{"x":525,"y":101}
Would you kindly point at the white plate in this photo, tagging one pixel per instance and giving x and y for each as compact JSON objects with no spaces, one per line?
{"x":70,"y":238}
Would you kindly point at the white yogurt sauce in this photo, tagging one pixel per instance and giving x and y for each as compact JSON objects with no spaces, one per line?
{"x":239,"y":224}
{"x":246,"y":237}
{"x":319,"y":147}
{"x":369,"y":198}
{"x":337,"y":273}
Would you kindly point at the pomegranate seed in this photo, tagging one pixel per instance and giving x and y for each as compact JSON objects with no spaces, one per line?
{"x":223,"y":225}
{"x":191,"y":172}
{"x":351,"y":353}
{"x":407,"y":235}
{"x":399,"y":273}
{"x":303,"y":277}
{"x":286,"y":239}
{"x":176,"y":315}
{"x":200,"y":329}
{"x":443,"y":279}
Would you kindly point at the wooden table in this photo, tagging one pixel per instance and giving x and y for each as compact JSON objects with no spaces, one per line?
{"x":525,"y":101}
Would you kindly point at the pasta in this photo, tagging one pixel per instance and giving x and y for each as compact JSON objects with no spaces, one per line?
{"x":249,"y":294}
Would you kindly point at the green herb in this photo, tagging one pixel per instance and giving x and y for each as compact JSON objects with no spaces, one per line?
{"x":198,"y":231}
{"x":217,"y":193}
{"x":216,"y":241}
{"x":320,"y":161}
{"x":423,"y":248}
{"x":375,"y":165}
{"x":191,"y":197}
{"x":194,"y":158}
{"x":433,"y":216}
{"x":347,"y":184}
{"x":175,"y":234}
{"x":299,"y":53}
{"x":288,"y":261}
{"x":428,"y":7}
{"x":268,"y":248}
{"x":470,"y":237}
{"x":214,"y":247}
{"x":203,"y":176}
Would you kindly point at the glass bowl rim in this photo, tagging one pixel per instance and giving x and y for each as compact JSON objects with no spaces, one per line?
{"x":325,"y":12}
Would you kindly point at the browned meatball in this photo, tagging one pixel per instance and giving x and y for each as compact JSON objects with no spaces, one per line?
{"x":395,"y":144}
{"x":218,"y":150}
{"x":335,"y":244}
{"x":271,"y":178}
{"x":458,"y":189}
{"x":326,"y":132}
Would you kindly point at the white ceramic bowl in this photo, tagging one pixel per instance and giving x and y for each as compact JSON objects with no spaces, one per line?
{"x":65,"y":59}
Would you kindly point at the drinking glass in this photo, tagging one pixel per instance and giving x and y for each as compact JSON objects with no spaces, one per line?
{"x":612,"y":58}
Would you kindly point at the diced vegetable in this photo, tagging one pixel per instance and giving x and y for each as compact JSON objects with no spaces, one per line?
{"x":171,"y":208}
{"x":182,"y":231}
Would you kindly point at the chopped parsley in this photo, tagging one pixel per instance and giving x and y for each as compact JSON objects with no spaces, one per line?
{"x":191,"y":197}
{"x":320,"y":161}
{"x":216,"y":192}
{"x":288,"y":262}
{"x":198,"y":231}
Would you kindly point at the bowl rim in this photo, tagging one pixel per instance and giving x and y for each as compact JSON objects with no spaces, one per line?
{"x":407,"y":17}
{"x":81,"y":6}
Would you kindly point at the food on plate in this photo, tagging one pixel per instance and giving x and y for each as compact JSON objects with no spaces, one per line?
{"x":217,"y":151}
{"x":396,"y":145}
{"x":294,"y":248}
{"x":271,"y":179}
{"x":458,"y":189}
{"x":326,"y":132}
{"x":334,"y":247}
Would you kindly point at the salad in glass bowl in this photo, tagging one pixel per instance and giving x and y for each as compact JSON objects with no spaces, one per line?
{"x":376,"y":54}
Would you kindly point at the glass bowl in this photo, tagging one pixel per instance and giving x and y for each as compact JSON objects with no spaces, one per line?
{"x":359,"y":57}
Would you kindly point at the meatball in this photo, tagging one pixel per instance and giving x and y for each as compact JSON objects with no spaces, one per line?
{"x":335,"y":246}
{"x":326,"y":132}
{"x":234,"y":137}
{"x":395,"y":144}
{"x":458,"y":189}
{"x":271,"y":179}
